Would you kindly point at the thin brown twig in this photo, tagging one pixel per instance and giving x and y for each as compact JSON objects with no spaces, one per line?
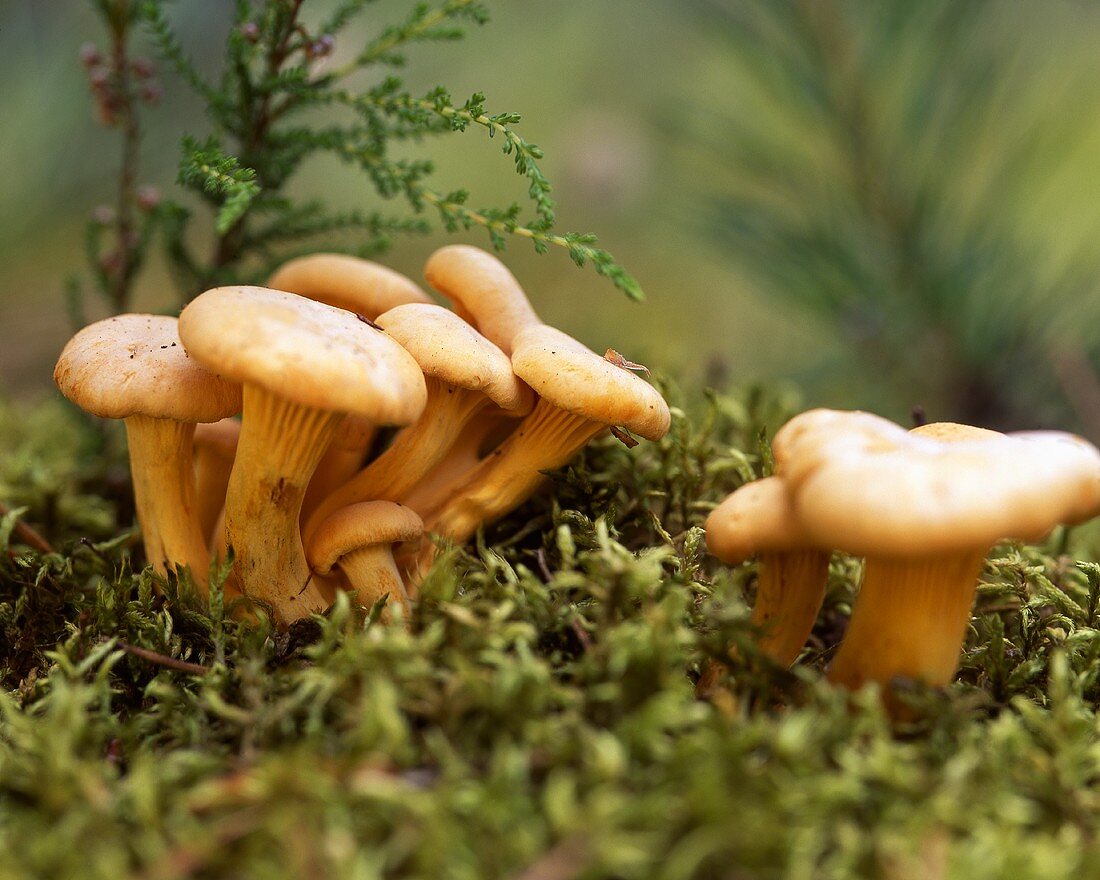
{"x":26,"y":534}
{"x":563,"y":861}
{"x":162,"y":659}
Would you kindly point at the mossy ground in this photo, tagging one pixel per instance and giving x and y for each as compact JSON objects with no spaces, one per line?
{"x":536,"y":717}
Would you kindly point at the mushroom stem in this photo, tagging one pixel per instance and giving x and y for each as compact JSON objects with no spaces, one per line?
{"x":413,"y":453}
{"x":336,"y":468}
{"x":213,"y":465}
{"x":372,"y":574}
{"x":544,"y":440}
{"x":484,"y":433}
{"x":164,"y":493}
{"x":909,"y":620}
{"x":280,"y":445}
{"x":789,"y":592}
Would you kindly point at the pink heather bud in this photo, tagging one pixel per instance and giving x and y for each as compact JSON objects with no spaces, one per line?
{"x":110,"y":262}
{"x":321,"y":47}
{"x":143,"y":67}
{"x":148,"y":197}
{"x":250,"y":31}
{"x":104,"y":215}
{"x":99,"y":77}
{"x":89,"y":55}
{"x":150,"y":92}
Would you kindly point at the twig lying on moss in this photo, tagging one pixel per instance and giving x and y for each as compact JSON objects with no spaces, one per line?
{"x":26,"y":534}
{"x":161,"y":659}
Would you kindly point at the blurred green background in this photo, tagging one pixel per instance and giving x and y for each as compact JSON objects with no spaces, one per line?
{"x":891,"y":204}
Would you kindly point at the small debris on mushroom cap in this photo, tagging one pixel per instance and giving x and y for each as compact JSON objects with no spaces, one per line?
{"x":576,"y":379}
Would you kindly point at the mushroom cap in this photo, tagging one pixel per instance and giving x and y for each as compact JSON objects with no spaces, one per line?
{"x":304,"y":351}
{"x":757,"y":518}
{"x":347,"y":282}
{"x":576,"y":379}
{"x":366,"y":524}
{"x":483,"y":290}
{"x":219,"y":437}
{"x":951,"y":431}
{"x":864,"y":485}
{"x":136,"y":365}
{"x":449,"y":349}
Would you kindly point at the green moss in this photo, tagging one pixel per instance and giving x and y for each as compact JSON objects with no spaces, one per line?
{"x":537,"y":714}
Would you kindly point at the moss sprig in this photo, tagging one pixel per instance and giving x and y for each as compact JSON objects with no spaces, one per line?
{"x":536,"y":709}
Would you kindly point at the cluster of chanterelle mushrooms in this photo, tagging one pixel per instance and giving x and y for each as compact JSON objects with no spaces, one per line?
{"x":487,"y":397}
{"x":922,"y":507}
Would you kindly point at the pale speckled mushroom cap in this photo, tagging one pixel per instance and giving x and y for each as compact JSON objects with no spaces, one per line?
{"x":347,"y":282}
{"x":366,"y":524}
{"x":304,"y":351}
{"x":136,"y":365}
{"x":757,"y":518}
{"x":483,"y":291}
{"x":952,"y":431}
{"x":449,"y":349}
{"x":576,"y":379}
{"x":866,"y":486}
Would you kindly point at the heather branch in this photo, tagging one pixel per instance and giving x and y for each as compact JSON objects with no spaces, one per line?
{"x":421,"y":25}
{"x":579,"y":245}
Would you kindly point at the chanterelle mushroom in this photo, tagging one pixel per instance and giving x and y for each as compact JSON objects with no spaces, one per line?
{"x":580,"y":395}
{"x":368,"y":289}
{"x":347,"y":282}
{"x":360,"y":539}
{"x":303,"y":365}
{"x":483,"y":292}
{"x":464,"y":374}
{"x":134,"y":367}
{"x":924,"y":512}
{"x":758,"y":520}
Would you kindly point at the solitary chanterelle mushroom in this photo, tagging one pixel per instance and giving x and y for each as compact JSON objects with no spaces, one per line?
{"x":925,"y":511}
{"x":134,"y":367}
{"x":303,"y":365}
{"x":758,"y":520}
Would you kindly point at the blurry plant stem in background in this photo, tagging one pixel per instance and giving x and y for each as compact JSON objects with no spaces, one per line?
{"x":125,"y":245}
{"x":118,"y":82}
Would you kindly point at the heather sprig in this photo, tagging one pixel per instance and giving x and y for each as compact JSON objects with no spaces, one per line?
{"x":278,"y":64}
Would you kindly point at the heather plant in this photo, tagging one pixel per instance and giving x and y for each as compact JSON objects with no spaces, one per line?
{"x":286,"y":95}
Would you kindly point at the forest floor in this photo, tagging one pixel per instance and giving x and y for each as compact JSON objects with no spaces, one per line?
{"x":535,"y":715}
